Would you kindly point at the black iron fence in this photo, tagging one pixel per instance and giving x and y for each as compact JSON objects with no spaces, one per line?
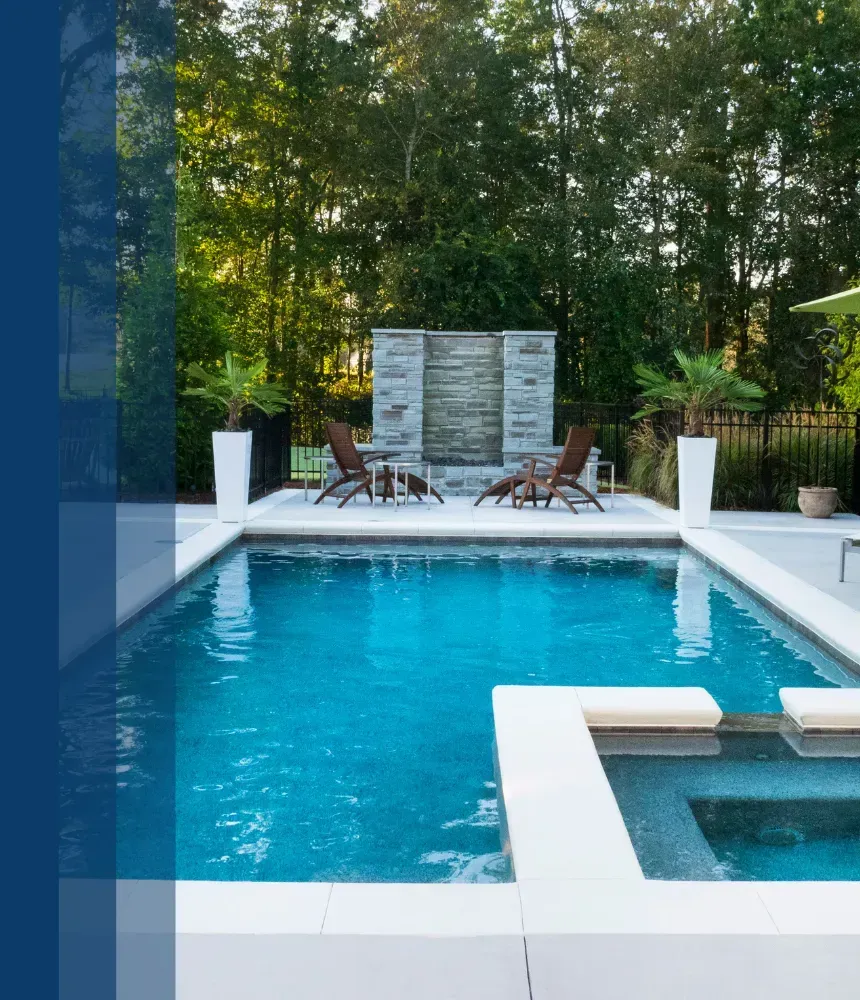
{"x":311,"y":413}
{"x":108,"y":449}
{"x":87,"y":454}
{"x":776,"y":452}
{"x":270,"y":452}
{"x":612,"y":426}
{"x":270,"y":457}
{"x":282,"y":444}
{"x":762,"y":459}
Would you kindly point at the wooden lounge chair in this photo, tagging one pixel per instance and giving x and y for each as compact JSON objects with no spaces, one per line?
{"x":563,"y":471}
{"x":353,"y":466}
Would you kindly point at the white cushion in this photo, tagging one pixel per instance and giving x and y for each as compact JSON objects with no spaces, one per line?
{"x":822,"y":708}
{"x":649,"y":707}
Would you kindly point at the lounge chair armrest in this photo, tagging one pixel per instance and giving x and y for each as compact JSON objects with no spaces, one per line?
{"x":549,"y":460}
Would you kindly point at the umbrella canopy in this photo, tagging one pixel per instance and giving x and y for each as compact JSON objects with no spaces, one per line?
{"x":845,"y":303}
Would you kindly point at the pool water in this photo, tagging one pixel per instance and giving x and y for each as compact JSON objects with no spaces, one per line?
{"x":783,"y":839}
{"x":741,"y":806}
{"x":332,"y":708}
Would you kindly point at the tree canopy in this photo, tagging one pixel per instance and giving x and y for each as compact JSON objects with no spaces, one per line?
{"x":640,"y":175}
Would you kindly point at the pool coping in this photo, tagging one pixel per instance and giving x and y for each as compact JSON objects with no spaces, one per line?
{"x":826,"y":622}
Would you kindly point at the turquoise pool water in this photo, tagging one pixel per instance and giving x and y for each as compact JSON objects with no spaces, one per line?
{"x":332,"y":708}
{"x":750,"y":807}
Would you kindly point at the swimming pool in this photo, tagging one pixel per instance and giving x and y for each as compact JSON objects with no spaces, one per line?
{"x":332,"y":707}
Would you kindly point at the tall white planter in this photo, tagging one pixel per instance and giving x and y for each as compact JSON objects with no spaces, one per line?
{"x":232,"y":451}
{"x":696,"y":460}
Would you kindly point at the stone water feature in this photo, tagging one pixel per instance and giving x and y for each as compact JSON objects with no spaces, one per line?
{"x":472,"y":404}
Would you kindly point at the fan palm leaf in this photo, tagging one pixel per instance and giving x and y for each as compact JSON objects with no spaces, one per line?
{"x":705,"y":385}
{"x":237,"y":389}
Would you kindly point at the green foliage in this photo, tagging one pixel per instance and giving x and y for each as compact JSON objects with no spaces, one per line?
{"x":706,"y":385}
{"x":235,"y":389}
{"x":653,"y":465}
{"x":848,"y":373}
{"x":637,"y":176}
{"x":145,"y":381}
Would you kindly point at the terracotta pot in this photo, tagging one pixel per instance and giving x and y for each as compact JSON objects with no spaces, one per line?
{"x":817,"y":501}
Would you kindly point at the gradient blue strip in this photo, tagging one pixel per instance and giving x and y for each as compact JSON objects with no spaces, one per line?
{"x":28,"y":495}
{"x":114,"y":308}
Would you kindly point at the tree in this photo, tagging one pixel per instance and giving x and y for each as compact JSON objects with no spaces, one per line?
{"x":705,"y":385}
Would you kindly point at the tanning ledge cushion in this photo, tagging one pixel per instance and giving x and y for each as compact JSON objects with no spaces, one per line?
{"x":822,"y":708}
{"x":649,"y":707}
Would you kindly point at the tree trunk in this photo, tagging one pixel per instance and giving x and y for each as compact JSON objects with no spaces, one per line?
{"x":68,"y":373}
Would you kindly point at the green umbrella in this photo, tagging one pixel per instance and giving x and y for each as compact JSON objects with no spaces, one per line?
{"x":845,"y":303}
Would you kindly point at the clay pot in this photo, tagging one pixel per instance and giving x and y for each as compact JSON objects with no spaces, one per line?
{"x":817,"y":501}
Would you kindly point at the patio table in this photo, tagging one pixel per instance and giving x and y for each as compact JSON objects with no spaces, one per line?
{"x":385,"y":464}
{"x":604,"y":464}
{"x":322,"y":461}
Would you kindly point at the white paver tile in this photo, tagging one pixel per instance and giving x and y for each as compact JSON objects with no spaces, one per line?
{"x":562,"y":818}
{"x":251,"y":907}
{"x":350,"y":967}
{"x":447,"y":909}
{"x":642,"y":906}
{"x":813,"y":907}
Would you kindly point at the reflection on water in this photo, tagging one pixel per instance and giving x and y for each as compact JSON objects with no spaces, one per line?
{"x":692,"y":609}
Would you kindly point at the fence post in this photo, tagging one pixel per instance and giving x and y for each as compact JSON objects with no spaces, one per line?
{"x":765,"y":464}
{"x":855,"y":471}
{"x":286,"y":471}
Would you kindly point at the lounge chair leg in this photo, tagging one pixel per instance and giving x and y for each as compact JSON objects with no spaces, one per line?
{"x":527,"y":485}
{"x":554,"y":491}
{"x":327,"y":492}
{"x":591,"y":497}
{"x":363,"y":485}
{"x":488,"y":492}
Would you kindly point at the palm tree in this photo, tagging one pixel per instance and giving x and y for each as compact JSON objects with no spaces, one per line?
{"x":705,"y":386}
{"x":237,"y":389}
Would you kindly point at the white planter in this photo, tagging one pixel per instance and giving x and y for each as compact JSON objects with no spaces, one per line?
{"x":696,"y":460}
{"x":232,"y":451}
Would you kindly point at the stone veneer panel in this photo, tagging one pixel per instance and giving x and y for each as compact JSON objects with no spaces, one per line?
{"x":467,"y":398}
{"x":463,"y":398}
{"x":529,"y":384}
{"x":398,"y":392}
